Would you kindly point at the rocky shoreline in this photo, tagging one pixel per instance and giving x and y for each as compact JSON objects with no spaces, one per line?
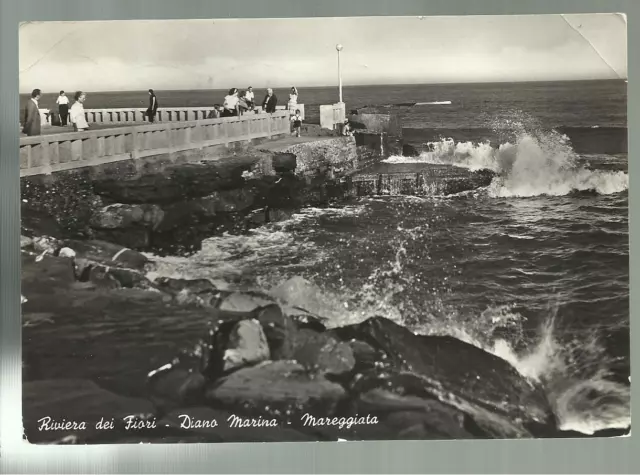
{"x":265,"y":368}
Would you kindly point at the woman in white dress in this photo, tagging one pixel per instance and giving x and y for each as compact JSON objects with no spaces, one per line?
{"x":293,"y":100}
{"x":76,"y":114}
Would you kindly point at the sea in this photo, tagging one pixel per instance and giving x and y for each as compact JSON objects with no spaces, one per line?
{"x":533,"y":268}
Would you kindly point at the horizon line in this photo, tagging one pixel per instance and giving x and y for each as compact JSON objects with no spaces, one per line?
{"x":358,"y":85}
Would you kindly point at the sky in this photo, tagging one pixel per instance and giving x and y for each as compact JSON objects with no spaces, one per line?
{"x":219,"y":54}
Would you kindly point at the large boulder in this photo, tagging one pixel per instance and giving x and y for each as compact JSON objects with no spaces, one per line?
{"x":278,"y":330}
{"x":279,"y":389}
{"x":454,"y":370}
{"x":380,"y":393}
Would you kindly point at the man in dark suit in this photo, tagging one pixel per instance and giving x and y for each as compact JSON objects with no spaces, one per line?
{"x":270,"y":101}
{"x":31,"y":121}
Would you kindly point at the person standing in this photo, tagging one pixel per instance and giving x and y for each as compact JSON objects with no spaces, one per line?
{"x":63,"y":108}
{"x":76,"y":114}
{"x":296,"y":121}
{"x":153,"y":106}
{"x":270,"y":101}
{"x":242,"y":102}
{"x":31,"y":122}
{"x":230,"y":105}
{"x":250,"y":98}
{"x":293,"y":99}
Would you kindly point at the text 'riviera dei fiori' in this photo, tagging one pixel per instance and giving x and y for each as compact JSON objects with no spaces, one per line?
{"x":188,"y":422}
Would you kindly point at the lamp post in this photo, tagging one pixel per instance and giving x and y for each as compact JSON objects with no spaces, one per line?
{"x":338,"y":49}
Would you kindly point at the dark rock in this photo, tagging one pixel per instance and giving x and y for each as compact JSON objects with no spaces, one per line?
{"x":176,"y":386}
{"x":109,"y":254}
{"x":74,"y":400}
{"x":409,"y":151}
{"x":322,"y":354}
{"x":229,"y":201}
{"x":186,"y":213}
{"x":410,"y":417}
{"x":279,"y":389}
{"x":279,"y":330}
{"x":200,"y":291}
{"x":38,"y":223}
{"x":284,"y":162}
{"x":257,"y":217}
{"x":134,"y":238}
{"x":364,"y":354}
{"x":97,"y":274}
{"x":123,"y":216}
{"x":45,"y":274}
{"x":46,"y":244}
{"x":450,"y":366}
{"x":129,"y":278}
{"x":393,"y":391}
{"x":303,"y":319}
{"x":179,"y":182}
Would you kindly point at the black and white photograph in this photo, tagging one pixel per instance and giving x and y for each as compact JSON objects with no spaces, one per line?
{"x":324,"y":229}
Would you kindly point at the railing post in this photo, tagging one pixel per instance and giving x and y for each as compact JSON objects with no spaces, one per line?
{"x":46,"y":155}
{"x":93,"y":140}
{"x":225,"y":131}
{"x":169,"y":140}
{"x":134,"y":143}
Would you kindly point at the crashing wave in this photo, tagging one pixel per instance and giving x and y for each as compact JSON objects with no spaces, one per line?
{"x":534,"y":163}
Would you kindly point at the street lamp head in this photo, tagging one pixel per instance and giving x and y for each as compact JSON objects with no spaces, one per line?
{"x":338,"y":47}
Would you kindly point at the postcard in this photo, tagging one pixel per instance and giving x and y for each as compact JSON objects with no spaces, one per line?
{"x":324,"y":229}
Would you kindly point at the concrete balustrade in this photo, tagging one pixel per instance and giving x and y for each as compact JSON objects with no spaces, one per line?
{"x":50,"y":153}
{"x":164,"y":114}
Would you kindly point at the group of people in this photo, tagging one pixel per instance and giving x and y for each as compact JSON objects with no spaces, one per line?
{"x":31,"y":123}
{"x":237,"y":102}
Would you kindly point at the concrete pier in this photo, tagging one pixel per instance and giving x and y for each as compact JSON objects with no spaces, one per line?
{"x":46,"y":154}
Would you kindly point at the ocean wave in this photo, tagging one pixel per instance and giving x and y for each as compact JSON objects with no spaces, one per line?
{"x":535,"y":163}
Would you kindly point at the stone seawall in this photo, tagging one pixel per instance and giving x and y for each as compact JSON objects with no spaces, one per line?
{"x":168,"y":204}
{"x":338,"y":153}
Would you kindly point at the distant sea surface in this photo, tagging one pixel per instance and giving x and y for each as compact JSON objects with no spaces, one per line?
{"x":533,"y":268}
